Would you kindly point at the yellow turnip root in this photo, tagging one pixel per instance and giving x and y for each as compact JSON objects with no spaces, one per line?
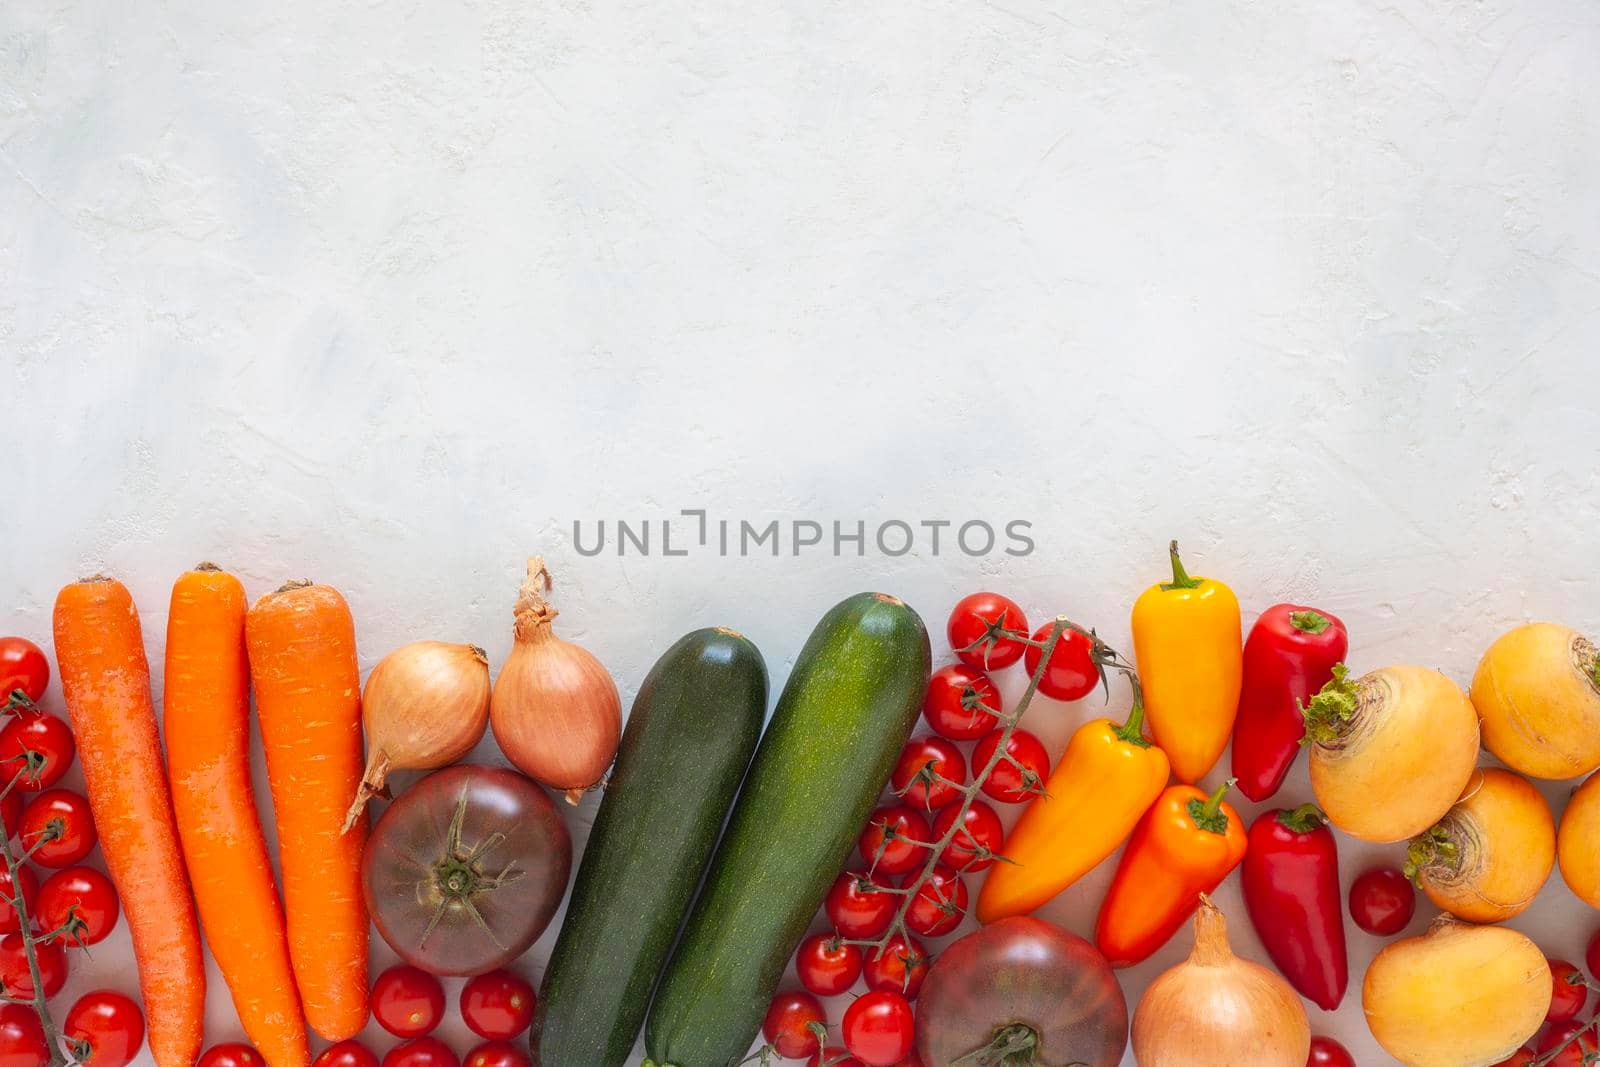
{"x":1537,"y":692}
{"x":1390,"y":751}
{"x":1490,"y":855}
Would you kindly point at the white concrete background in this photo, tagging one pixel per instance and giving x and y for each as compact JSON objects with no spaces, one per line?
{"x":390,"y":293}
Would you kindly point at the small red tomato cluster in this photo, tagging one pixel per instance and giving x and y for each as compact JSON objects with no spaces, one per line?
{"x":1566,"y":1040}
{"x":76,"y":905}
{"x":410,"y":1003}
{"x":988,"y":632}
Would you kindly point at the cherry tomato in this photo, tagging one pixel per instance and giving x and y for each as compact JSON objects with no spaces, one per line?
{"x":497,"y":1054}
{"x":9,"y":921}
{"x":983,"y":631}
{"x":22,"y":1042}
{"x":1520,"y":1058}
{"x":230,"y":1054}
{"x":81,"y":900}
{"x":788,"y":1022}
{"x":1326,"y":1052}
{"x":833,"y":1056}
{"x":977,"y":842}
{"x":14,"y":974}
{"x":1008,"y":782}
{"x":22,"y":666}
{"x":826,"y":965}
{"x":40,"y":745}
{"x":419,"y":1052}
{"x":952,"y":706}
{"x":899,"y":968}
{"x":498,"y":1005}
{"x":11,"y":811}
{"x":890,"y":843}
{"x":1560,"y":1036}
{"x":1072,"y":672}
{"x":938,"y":905}
{"x":346,"y":1054}
{"x":879,"y":1028}
{"x":1382,"y":901}
{"x":857,"y":908}
{"x":407,"y":1001}
{"x":924,"y":775}
{"x":105,"y":1029}
{"x":57,"y":829}
{"x":1569,"y":997}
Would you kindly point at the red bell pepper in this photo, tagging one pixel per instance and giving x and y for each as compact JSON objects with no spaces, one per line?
{"x":1288,"y":657}
{"x":1291,"y":890}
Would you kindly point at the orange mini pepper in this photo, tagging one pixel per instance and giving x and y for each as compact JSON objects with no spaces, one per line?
{"x":1188,"y":644}
{"x":1184,"y":846}
{"x":1104,"y":781}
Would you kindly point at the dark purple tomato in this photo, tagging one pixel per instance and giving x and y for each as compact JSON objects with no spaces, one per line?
{"x":1022,"y":974}
{"x":466,"y":869}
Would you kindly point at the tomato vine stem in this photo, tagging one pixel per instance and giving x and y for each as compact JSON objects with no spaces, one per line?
{"x":52,"y":1036}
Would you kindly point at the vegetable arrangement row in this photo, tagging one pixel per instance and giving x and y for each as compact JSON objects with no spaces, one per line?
{"x":717,"y":844}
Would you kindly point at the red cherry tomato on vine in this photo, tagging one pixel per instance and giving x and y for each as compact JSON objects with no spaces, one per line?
{"x":22,"y":666}
{"x":1382,"y":901}
{"x":1008,"y":782}
{"x":230,"y":1054}
{"x":105,"y":1029}
{"x":497,"y":1005}
{"x":983,"y":631}
{"x":899,"y":968}
{"x":924,"y":775}
{"x":420,"y":1052}
{"x":48,"y":738}
{"x":497,"y":1054}
{"x":346,"y":1054}
{"x":879,"y":1028}
{"x":826,"y":965}
{"x":893,"y":841}
{"x":57,"y":829}
{"x":1567,"y":999}
{"x":22,"y":1042}
{"x":977,"y":842}
{"x":407,"y":1001}
{"x":938,"y":906}
{"x":1520,"y":1058}
{"x":788,"y":1022}
{"x":9,"y":921}
{"x":1560,"y":1036}
{"x":857,"y":908}
{"x":1326,"y":1052}
{"x":81,"y":899}
{"x":833,"y":1056}
{"x":1072,"y":673}
{"x":952,"y":705}
{"x":14,"y":975}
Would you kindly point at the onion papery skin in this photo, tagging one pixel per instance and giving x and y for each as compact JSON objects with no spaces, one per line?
{"x":1402,"y":759}
{"x":1217,"y":1010}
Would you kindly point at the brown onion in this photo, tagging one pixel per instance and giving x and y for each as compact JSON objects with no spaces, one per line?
{"x":555,"y":710}
{"x":1217,"y":1010}
{"x":425,"y":705}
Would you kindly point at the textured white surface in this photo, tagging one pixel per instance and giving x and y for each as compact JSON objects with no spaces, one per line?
{"x":390,"y":293}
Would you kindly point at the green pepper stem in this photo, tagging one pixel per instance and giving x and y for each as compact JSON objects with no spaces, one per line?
{"x":1180,"y":577}
{"x":1309,"y":621}
{"x":1302,"y":820}
{"x":1208,"y":815}
{"x":1214,"y":804}
{"x":1132,"y":731}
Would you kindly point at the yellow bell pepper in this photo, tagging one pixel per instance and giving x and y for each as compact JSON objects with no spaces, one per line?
{"x":1189,"y":648}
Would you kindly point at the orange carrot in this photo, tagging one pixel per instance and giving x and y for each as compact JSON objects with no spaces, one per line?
{"x":106,"y":681}
{"x":302,"y":645}
{"x":206,"y":718}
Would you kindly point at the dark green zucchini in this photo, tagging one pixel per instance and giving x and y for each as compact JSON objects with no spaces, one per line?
{"x":688,"y":741}
{"x":844,"y":715}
